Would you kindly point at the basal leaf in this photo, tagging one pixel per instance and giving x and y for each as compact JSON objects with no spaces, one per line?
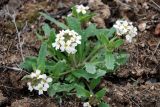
{"x":58,"y":68}
{"x":90,"y":31}
{"x":109,"y":61}
{"x":118,"y":43}
{"x":86,"y":17}
{"x":103,"y":104}
{"x":51,"y":38}
{"x":90,"y":68}
{"x":99,"y":73}
{"x":121,"y":58}
{"x":103,"y":39}
{"x":111,"y":32}
{"x":74,"y":24}
{"x":100,"y":94}
{"x":94,"y":83}
{"x":46,"y":28}
{"x":40,"y":37}
{"x":42,"y":56}
{"x":28,"y":62}
{"x":57,"y":88}
{"x":59,"y":24}
{"x":81,"y":92}
{"x":82,"y":74}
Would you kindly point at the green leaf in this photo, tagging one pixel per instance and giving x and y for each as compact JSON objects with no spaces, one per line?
{"x":103,"y":32}
{"x":109,"y":61}
{"x":70,"y":78}
{"x":74,"y":12}
{"x":81,"y":74}
{"x":92,"y":31}
{"x":40,"y":37}
{"x":58,"y":68}
{"x":86,"y":17}
{"x":59,"y":24}
{"x":49,"y":65}
{"x":90,"y":68}
{"x":28,"y":62}
{"x":82,"y":92}
{"x":84,"y":74}
{"x":103,"y":39}
{"x":100,"y":94}
{"x":111,"y":32}
{"x":94,"y":83}
{"x":26,"y":77}
{"x":46,"y":29}
{"x":57,"y":88}
{"x":121,"y":58}
{"x":118,"y":43}
{"x":99,"y":73}
{"x":51,"y":37}
{"x":41,"y":57}
{"x":74,"y":24}
{"x":103,"y":104}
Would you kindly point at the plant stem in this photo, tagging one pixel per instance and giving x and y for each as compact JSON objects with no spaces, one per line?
{"x":67,"y":72}
{"x":74,"y":60}
{"x":54,"y":57}
{"x":93,"y":52}
{"x":64,"y":73}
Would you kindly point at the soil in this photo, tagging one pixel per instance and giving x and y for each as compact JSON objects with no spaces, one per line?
{"x":136,"y":84}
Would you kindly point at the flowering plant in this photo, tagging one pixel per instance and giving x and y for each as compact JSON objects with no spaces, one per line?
{"x":76,"y":58}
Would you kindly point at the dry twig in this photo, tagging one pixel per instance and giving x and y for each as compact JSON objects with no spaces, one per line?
{"x":13,"y":17}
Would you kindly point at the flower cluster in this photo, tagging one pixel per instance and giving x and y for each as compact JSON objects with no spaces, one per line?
{"x":67,"y":40}
{"x":39,"y":82}
{"x":124,"y":27}
{"x":81,"y":9}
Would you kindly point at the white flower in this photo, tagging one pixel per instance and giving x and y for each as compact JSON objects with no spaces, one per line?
{"x":125,"y":28}
{"x":40,"y":88}
{"x":132,"y":31}
{"x":67,"y":40}
{"x":30,"y":88}
{"x":43,"y":76}
{"x":81,"y":9}
{"x":45,"y":86}
{"x":39,"y":82}
{"x":86,"y":104}
{"x":128,"y":38}
{"x":35,"y":74}
{"x":49,"y":79}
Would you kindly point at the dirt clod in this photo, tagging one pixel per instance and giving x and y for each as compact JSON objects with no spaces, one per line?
{"x":102,"y":12}
{"x":157,"y":30}
{"x":3,"y":100}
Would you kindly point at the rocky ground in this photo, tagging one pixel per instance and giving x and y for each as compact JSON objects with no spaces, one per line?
{"x":136,"y":84}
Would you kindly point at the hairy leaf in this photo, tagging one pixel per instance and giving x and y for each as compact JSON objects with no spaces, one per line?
{"x":41,"y":57}
{"x":95,"y":82}
{"x":59,"y":24}
{"x":90,"y":68}
{"x":74,"y":24}
{"x":58,"y":68}
{"x":57,"y":88}
{"x":46,"y":28}
{"x":28,"y":63}
{"x":103,"y":104}
{"x":109,"y":61}
{"x":82,"y":92}
{"x":100,"y":94}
